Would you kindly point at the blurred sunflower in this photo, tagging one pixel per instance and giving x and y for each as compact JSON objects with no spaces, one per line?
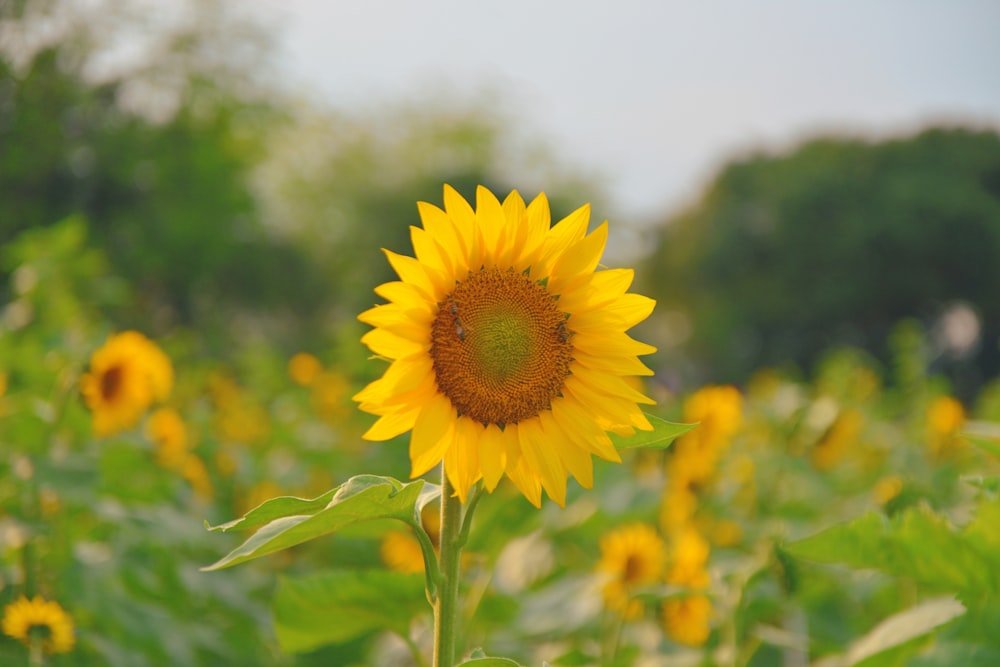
{"x":719,"y":411}
{"x":401,"y":551}
{"x":688,"y":559}
{"x":127,"y":375}
{"x":632,"y":556}
{"x":303,"y":368}
{"x":686,"y":619}
{"x":166,"y":430}
{"x":945,"y":418}
{"x":508,"y":348}
{"x":842,"y":433}
{"x":39,"y":620}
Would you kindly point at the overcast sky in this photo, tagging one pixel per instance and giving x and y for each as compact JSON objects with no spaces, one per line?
{"x":656,"y":95}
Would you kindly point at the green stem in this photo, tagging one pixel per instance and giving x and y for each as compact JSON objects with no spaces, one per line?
{"x":475,"y":493}
{"x":431,"y":572}
{"x":446,"y":605}
{"x":35,"y":652}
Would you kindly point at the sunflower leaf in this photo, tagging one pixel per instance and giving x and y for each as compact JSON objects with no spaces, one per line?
{"x":285,"y":522}
{"x":986,"y":444}
{"x":662,"y":435}
{"x":489,"y":662}
{"x":917,"y":544}
{"x":337,"y":606}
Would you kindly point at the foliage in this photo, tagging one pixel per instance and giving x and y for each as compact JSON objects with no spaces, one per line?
{"x":833,"y":243}
{"x":113,"y":531}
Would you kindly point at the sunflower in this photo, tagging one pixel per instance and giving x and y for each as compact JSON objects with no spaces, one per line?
{"x":945,"y":418}
{"x":39,"y":620}
{"x":127,"y":375}
{"x":401,"y":551}
{"x":632,"y":556}
{"x":508,"y":348}
{"x":166,"y":430}
{"x":686,"y":620}
{"x":303,"y":368}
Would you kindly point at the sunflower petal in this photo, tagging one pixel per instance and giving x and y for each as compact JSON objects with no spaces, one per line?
{"x":433,"y":434}
{"x":538,"y":449}
{"x":492,"y":455}
{"x":461,"y":461}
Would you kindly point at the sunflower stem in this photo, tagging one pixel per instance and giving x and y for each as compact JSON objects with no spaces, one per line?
{"x":431,"y":571}
{"x":474,"y":495}
{"x":446,"y":605}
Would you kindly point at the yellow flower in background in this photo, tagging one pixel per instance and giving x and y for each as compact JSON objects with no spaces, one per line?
{"x":887,"y":488}
{"x":127,"y":375}
{"x":719,"y":408}
{"x":330,"y":395}
{"x":237,"y":417}
{"x":195,"y":472}
{"x":688,"y":559}
{"x":258,"y":494}
{"x":401,"y":551}
{"x":945,"y":418}
{"x":24,"y":619}
{"x":686,"y":620}
{"x":632,"y":557}
{"x":679,"y":505}
{"x":843,"y":432}
{"x":695,"y":455}
{"x":303,"y":368}
{"x":166,"y":430}
{"x":509,"y":350}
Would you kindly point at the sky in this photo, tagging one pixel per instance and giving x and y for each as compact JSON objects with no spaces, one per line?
{"x":656,"y":96}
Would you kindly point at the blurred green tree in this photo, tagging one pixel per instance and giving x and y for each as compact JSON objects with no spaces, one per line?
{"x":834,"y":243}
{"x":154,"y":152}
{"x":228,"y":205}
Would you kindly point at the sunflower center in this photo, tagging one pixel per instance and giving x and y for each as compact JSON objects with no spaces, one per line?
{"x":632,"y":570}
{"x":41,"y":632}
{"x":500,"y":347}
{"x":111,"y":382}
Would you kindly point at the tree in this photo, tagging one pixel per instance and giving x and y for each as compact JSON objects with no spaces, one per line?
{"x":834,"y":243}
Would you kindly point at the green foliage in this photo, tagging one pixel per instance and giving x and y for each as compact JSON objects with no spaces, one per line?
{"x":918,"y":544}
{"x":122,"y":552}
{"x":338,"y":606}
{"x":286,"y":522}
{"x":786,"y":255}
{"x":661,"y":437}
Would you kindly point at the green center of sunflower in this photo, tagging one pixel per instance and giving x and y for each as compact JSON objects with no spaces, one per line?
{"x":500,"y":347}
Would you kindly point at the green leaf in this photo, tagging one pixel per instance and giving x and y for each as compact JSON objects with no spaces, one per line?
{"x":988,"y":484}
{"x":916,"y":543}
{"x":489,"y":662}
{"x":986,"y":444}
{"x":660,"y":437}
{"x":275,"y":508}
{"x":286,"y":522}
{"x":338,"y":606}
{"x":904,"y":626}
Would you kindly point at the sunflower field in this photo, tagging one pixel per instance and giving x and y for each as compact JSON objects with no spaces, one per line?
{"x":288,"y":386}
{"x":847,"y":518}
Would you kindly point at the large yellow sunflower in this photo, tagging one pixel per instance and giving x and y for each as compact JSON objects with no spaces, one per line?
{"x":508,"y":347}
{"x":23,"y":618}
{"x":127,"y":374}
